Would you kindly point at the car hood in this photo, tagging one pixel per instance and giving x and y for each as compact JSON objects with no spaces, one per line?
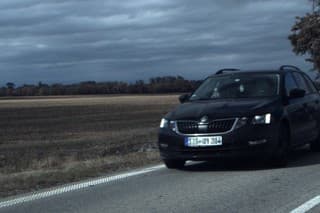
{"x":216,"y":109}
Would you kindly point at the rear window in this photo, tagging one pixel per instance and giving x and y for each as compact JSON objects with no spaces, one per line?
{"x":310,"y":84}
{"x":301,"y":82}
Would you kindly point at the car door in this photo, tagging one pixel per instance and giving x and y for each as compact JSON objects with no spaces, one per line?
{"x":309,"y":102}
{"x":296,"y":112}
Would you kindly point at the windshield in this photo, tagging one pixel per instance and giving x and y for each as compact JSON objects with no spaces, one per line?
{"x":238,"y":86}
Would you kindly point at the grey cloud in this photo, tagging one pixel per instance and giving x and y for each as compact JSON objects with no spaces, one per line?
{"x":78,"y":40}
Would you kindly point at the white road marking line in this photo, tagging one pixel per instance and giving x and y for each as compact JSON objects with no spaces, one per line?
{"x":76,"y":186}
{"x":307,"y":205}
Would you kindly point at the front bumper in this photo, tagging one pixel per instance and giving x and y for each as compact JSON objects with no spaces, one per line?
{"x":247,"y":141}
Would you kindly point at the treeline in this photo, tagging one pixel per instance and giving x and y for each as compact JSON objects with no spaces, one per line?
{"x":167,"y":84}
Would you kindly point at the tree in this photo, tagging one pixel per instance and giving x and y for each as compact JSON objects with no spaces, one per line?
{"x":10,"y":85}
{"x":10,"y":88}
{"x":3,"y":91}
{"x":315,"y":5}
{"x":305,"y":37}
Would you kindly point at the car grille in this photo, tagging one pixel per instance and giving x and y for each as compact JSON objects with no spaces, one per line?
{"x":215,"y":126}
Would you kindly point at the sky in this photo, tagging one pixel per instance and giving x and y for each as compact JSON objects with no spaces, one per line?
{"x":64,"y":41}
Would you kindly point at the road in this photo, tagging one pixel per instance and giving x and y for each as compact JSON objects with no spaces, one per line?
{"x":227,"y":186}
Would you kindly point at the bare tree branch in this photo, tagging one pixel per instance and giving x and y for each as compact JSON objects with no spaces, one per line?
{"x":305,"y":37}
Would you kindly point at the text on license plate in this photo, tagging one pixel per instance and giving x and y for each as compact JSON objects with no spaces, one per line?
{"x":203,"y":141}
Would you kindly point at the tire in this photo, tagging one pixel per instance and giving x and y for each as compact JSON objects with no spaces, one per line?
{"x":280,"y":156}
{"x":315,"y":145}
{"x":174,"y":164}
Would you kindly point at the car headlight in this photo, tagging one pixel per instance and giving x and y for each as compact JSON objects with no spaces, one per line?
{"x":164,"y":123}
{"x":167,"y":124}
{"x":262,"y":119}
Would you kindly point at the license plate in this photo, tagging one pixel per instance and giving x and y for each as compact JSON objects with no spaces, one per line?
{"x":203,"y":141}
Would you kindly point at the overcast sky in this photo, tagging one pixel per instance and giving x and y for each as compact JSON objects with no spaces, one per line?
{"x":102,"y":40}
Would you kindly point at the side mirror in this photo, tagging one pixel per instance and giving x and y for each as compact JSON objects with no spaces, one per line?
{"x":184,"y":98}
{"x":297,"y":93}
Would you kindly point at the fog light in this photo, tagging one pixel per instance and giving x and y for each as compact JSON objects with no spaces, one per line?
{"x":257,"y":142}
{"x":163,"y":145}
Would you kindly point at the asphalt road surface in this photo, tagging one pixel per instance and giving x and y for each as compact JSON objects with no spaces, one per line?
{"x":223,"y":186}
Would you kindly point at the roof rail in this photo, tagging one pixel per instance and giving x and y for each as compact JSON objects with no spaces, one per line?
{"x":286,"y":67}
{"x":227,"y":69}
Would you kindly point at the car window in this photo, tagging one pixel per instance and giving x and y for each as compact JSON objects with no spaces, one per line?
{"x":301,"y":82}
{"x":290,"y":83}
{"x":309,"y":83}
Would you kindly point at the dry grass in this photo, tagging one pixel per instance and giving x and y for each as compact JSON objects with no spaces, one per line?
{"x":45,"y":142}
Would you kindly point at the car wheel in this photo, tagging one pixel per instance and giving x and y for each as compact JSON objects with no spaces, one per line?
{"x":315,"y":145}
{"x":174,"y":164}
{"x":280,"y":158}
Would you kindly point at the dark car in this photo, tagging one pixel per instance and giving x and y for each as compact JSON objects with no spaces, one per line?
{"x":243,"y":113}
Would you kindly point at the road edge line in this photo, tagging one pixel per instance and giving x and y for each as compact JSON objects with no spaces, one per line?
{"x":76,"y":186}
{"x":307,"y":205}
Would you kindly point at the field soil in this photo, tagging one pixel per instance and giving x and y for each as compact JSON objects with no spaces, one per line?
{"x":52,"y":141}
